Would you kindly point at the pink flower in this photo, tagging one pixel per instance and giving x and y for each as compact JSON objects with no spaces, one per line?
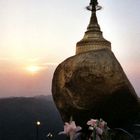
{"x":98,"y":127}
{"x":92,"y":122}
{"x":70,"y":129}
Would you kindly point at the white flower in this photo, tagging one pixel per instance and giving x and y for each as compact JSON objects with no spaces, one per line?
{"x":70,"y":129}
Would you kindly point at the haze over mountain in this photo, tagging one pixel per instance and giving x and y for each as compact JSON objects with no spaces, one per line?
{"x":19,"y":82}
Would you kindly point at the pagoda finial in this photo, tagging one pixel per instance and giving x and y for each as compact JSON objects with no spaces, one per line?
{"x":93,"y":6}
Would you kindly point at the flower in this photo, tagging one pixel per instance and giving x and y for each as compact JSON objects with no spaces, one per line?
{"x":70,"y":129}
{"x":98,"y":127}
{"x":97,"y":123}
{"x":97,"y":130}
{"x":92,"y":122}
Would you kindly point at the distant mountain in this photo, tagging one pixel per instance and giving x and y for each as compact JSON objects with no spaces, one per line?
{"x":18,"y":118}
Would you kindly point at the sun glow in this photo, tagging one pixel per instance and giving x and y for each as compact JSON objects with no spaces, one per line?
{"x":33,"y":69}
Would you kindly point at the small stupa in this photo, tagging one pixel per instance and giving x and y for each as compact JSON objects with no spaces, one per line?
{"x":92,"y":83}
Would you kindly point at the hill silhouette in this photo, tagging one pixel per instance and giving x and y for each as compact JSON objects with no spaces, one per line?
{"x":18,"y":116}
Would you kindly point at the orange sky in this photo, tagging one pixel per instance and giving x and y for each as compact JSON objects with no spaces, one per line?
{"x":44,"y":32}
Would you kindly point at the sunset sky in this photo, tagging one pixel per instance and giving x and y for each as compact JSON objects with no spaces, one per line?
{"x":36,"y":35}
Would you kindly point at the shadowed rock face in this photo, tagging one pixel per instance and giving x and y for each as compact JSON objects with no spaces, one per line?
{"x":93,"y":85}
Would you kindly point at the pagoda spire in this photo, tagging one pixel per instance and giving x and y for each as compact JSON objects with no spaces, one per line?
{"x":93,"y":7}
{"x":93,"y":38}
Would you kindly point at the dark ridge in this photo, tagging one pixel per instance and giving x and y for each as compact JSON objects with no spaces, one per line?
{"x":18,"y":116}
